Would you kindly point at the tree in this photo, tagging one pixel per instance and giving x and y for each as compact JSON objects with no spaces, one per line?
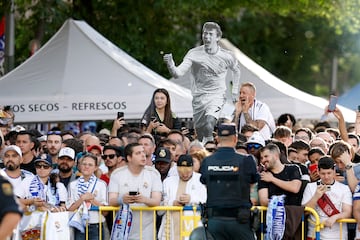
{"x":295,"y":40}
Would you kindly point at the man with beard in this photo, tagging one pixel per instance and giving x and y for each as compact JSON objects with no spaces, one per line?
{"x":12,"y":158}
{"x":277,"y":178}
{"x":53,"y":144}
{"x":114,"y":158}
{"x":66,"y":162}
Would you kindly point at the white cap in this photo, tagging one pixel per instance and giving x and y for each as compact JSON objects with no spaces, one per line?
{"x":256,"y":138}
{"x":105,"y":131}
{"x":13,"y":148}
{"x":66,"y":151}
{"x":18,"y":128}
{"x":42,"y":138}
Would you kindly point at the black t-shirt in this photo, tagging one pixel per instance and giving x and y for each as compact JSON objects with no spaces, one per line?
{"x":65,"y":181}
{"x":29,"y":166}
{"x":289,"y":173}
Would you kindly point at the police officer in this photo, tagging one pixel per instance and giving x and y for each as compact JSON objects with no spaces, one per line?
{"x":228,"y":176}
{"x":10,"y":212}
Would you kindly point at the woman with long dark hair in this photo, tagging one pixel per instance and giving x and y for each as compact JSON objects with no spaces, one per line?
{"x":158,"y":118}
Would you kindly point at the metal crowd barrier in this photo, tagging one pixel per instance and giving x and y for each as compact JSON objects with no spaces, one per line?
{"x":191,"y":222}
{"x":318,"y":225}
{"x":345,"y":220}
{"x":195,"y":219}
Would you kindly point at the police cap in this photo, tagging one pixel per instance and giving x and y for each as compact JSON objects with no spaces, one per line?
{"x":226,"y":129}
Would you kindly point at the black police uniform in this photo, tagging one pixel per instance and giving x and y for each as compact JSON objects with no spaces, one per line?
{"x":228,"y":176}
{"x":8,"y":201}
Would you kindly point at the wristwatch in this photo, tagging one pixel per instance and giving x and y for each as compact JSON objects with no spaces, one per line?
{"x":348,"y":166}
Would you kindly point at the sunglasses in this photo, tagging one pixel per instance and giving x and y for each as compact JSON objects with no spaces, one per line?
{"x":111,"y":156}
{"x":54,"y":133}
{"x":253,"y":145}
{"x":38,"y":166}
{"x":211,"y":149}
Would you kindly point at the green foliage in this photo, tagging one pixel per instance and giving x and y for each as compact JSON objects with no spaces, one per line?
{"x":295,"y":40}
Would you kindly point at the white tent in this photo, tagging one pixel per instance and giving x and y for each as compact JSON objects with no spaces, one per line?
{"x":80,"y":75}
{"x":280,"y":96}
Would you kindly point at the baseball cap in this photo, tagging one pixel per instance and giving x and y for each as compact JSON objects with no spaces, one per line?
{"x":18,"y":128}
{"x":44,"y":158}
{"x":226,"y":129}
{"x":67,"y":151}
{"x":162,"y":155}
{"x":42,"y":138}
{"x":185,"y":160}
{"x":105,"y":131}
{"x":256,"y":138}
{"x":13,"y":148}
{"x":98,"y":147}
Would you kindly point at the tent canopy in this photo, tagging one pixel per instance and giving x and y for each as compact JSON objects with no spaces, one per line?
{"x":79,"y":75}
{"x":278,"y":95}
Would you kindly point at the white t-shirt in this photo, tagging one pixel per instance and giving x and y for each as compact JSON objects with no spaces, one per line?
{"x":260,"y":111}
{"x":123,"y":181}
{"x":339,"y":194}
{"x":16,"y":182}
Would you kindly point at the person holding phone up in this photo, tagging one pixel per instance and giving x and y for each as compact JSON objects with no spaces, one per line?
{"x":118,"y":123}
{"x":158,"y":118}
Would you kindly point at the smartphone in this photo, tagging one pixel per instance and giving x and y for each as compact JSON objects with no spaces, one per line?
{"x":133,"y":193}
{"x":313,"y":167}
{"x":332,"y":103}
{"x":120,"y":115}
{"x":153,"y":118}
{"x":339,"y":172}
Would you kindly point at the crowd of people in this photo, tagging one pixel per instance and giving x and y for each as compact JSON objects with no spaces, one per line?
{"x":315,"y":167}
